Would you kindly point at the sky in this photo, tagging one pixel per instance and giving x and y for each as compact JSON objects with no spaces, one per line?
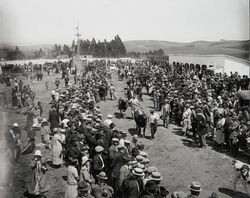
{"x":54,"y":21}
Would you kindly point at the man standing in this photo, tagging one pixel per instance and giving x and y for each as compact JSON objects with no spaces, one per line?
{"x":57,"y":82}
{"x":201,"y":128}
{"x":153,"y":121}
{"x":166,"y":109}
{"x":53,"y":118}
{"x":12,"y":138}
{"x":133,"y":185}
{"x":134,"y":103}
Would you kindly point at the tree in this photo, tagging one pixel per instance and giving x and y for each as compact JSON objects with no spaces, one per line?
{"x":15,"y":55}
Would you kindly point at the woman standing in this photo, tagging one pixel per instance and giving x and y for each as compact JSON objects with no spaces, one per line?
{"x":45,"y":132}
{"x":37,"y":186}
{"x":220,"y":135}
{"x":72,"y":180}
{"x":56,"y":147}
{"x":85,"y":171}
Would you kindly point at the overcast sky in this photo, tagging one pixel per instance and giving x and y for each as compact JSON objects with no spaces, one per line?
{"x":54,"y":21}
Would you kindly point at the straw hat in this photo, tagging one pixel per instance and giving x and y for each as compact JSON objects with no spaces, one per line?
{"x":102,"y":175}
{"x":138,"y":172}
{"x":38,"y":153}
{"x":15,"y":125}
{"x":109,"y":116}
{"x":98,"y":149}
{"x":156,"y":176}
{"x":195,"y":186}
{"x":85,"y":159}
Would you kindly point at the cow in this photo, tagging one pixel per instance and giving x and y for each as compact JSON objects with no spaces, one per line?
{"x":122,"y":106}
{"x":241,"y":171}
{"x":141,"y":121}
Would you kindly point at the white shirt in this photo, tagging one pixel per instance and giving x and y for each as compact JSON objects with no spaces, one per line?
{"x":154,"y":117}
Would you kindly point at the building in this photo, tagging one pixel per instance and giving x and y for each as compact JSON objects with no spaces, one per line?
{"x":156,"y":59}
{"x":215,"y":62}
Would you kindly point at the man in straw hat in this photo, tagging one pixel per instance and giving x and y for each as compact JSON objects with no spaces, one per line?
{"x":101,"y":189}
{"x":195,"y":190}
{"x":133,"y":185}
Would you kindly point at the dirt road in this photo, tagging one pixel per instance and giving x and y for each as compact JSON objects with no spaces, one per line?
{"x":174,"y":155}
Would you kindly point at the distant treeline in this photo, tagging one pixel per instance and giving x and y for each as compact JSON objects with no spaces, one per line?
{"x":115,"y":49}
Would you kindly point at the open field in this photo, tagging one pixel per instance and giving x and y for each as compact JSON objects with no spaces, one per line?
{"x":174,"y":155}
{"x":238,"y":49}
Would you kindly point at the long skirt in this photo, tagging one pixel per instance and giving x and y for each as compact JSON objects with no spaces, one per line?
{"x":220,"y":136}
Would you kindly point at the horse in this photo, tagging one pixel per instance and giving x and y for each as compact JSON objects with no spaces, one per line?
{"x":141,"y":121}
{"x":122,"y":106}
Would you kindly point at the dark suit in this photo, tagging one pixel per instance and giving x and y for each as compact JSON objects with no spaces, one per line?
{"x":53,"y":119}
{"x":116,"y":165}
{"x":131,"y":188}
{"x":98,"y":165}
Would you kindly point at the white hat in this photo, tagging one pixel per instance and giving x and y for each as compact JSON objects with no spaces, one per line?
{"x":98,"y":149}
{"x":44,"y":120}
{"x":38,"y":153}
{"x":34,"y":125}
{"x":15,"y":125}
{"x":143,"y":154}
{"x":109,"y":116}
{"x":156,"y":176}
{"x":138,"y":172}
{"x":84,"y":159}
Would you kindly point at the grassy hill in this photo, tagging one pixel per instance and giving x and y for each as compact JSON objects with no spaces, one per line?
{"x":234,"y":48}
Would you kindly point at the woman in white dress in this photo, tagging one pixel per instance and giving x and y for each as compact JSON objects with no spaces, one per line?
{"x":56,"y":148}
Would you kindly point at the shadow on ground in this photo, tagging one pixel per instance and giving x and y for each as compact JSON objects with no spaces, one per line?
{"x":230,"y":193}
{"x":132,"y":131}
{"x":118,"y":115}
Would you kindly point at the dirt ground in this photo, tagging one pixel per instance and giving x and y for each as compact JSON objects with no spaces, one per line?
{"x":176,"y":157}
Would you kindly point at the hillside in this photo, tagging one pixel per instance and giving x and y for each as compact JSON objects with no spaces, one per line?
{"x":235,"y":48}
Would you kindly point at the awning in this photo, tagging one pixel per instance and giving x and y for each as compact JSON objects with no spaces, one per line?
{"x":244,"y":94}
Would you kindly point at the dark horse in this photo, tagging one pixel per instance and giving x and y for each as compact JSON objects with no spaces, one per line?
{"x":122,"y":106}
{"x":141,"y":121}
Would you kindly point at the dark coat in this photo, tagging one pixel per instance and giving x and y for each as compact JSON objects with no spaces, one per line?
{"x":116,"y":165}
{"x":130,"y":188}
{"x":98,"y":166}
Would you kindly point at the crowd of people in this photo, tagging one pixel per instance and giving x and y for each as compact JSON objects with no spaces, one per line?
{"x":203,"y":104}
{"x":102,"y":161}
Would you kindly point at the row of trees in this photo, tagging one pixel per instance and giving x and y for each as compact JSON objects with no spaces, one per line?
{"x":114,"y":48}
{"x":15,"y":54}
